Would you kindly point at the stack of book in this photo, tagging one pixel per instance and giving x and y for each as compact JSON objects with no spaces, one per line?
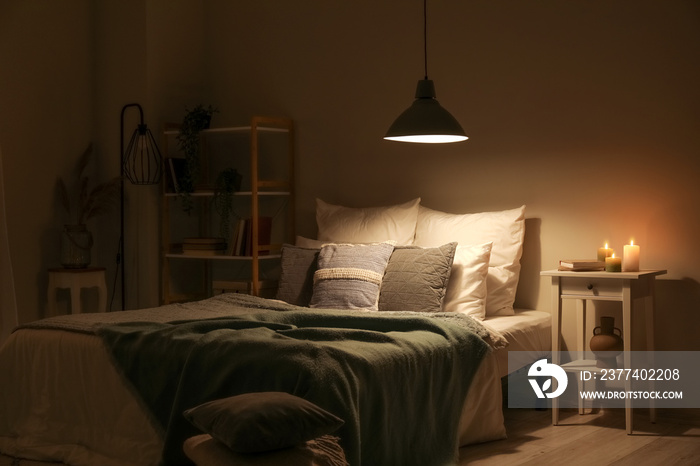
{"x":241,"y":243}
{"x":204,"y":246}
{"x":581,"y":265}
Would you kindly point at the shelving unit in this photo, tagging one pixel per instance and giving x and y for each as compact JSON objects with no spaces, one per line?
{"x":263,"y":153}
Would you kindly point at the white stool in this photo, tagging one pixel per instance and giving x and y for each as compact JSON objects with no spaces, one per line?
{"x":76,"y":280}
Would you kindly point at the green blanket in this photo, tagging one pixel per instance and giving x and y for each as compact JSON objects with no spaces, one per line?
{"x":398,"y":382}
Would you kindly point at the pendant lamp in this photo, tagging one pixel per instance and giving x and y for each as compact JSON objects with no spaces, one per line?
{"x":425,"y":120}
{"x":141,"y":164}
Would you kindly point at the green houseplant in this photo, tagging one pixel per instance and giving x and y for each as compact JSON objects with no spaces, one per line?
{"x":195,"y":120}
{"x":228,"y":181}
{"x":82,"y":204}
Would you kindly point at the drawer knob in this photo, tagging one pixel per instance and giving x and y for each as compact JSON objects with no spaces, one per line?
{"x":590,"y":286}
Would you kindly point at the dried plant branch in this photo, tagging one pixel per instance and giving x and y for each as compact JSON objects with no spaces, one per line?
{"x":102,"y":199}
{"x":63,"y":194}
{"x":88,"y":203}
{"x":83,"y":161}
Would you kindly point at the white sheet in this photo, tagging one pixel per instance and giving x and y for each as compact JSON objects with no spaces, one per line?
{"x":528,"y":331}
{"x":61,"y":399}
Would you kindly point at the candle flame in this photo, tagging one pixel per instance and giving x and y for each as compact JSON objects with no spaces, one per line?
{"x":631,"y":242}
{"x":613,"y":255}
{"x":606,"y":245}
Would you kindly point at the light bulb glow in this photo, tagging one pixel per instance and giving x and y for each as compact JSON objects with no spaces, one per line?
{"x":428,"y":138}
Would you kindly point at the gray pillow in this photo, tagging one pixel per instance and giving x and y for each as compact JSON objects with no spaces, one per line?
{"x":263,"y":421}
{"x":349,"y":275}
{"x":416,"y":278}
{"x":296,"y":284}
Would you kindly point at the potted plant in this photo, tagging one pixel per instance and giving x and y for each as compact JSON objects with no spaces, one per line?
{"x":195,"y":120}
{"x":228,"y":182}
{"x":82,"y":205}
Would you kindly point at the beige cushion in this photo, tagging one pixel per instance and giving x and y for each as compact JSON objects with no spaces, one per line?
{"x":466,"y":291}
{"x":505,"y":229}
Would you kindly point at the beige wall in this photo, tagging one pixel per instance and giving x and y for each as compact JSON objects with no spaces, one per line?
{"x":46,"y":91}
{"x":585,"y":112}
{"x":66,"y":71}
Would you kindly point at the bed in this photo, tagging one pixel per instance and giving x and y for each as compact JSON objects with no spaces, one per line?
{"x":102,"y":389}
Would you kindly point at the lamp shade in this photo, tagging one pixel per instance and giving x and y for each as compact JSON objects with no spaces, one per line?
{"x":142,"y":160}
{"x":425,"y":120}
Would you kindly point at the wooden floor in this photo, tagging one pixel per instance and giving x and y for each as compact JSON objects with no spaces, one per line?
{"x":592,"y":439}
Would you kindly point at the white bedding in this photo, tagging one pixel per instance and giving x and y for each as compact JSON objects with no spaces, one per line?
{"x":527,"y":331}
{"x":69,"y":404}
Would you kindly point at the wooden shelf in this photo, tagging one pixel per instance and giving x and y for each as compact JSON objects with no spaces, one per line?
{"x":276,"y":152}
{"x":234,"y":129}
{"x":177,"y":255}
{"x":237,"y":193}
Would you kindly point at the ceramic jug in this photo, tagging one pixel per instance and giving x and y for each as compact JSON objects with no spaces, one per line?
{"x":606,"y":343}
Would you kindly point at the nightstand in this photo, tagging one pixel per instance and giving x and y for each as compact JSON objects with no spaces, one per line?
{"x":628,"y":288}
{"x":75,"y":280}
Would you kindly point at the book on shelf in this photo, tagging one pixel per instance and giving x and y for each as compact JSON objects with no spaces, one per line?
{"x":204,"y":241}
{"x":236,"y":240}
{"x":175,"y":172}
{"x":242,"y":237}
{"x":203,"y":252}
{"x":203,"y":246}
{"x":581,"y":265}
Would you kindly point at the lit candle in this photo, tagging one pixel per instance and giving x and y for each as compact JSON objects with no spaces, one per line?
{"x":613,"y":264}
{"x":630,"y":258}
{"x":604,"y":252}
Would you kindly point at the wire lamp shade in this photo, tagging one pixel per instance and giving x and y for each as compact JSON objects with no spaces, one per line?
{"x":142,"y":162}
{"x":425,"y":120}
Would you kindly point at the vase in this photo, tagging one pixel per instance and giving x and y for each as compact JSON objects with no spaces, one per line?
{"x":76,"y":243}
{"x":606,"y":343}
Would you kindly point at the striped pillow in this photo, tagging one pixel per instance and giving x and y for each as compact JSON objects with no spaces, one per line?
{"x":349,"y":275}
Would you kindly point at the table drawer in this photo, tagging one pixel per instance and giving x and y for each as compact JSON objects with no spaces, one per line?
{"x":591,"y":287}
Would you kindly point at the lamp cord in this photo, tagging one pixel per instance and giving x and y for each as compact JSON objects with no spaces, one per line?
{"x":116,"y":273}
{"x":425,"y":36}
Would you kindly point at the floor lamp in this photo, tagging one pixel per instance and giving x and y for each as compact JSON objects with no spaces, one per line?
{"x":141,"y":164}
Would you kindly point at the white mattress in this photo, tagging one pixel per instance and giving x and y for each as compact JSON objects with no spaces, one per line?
{"x":528,"y":331}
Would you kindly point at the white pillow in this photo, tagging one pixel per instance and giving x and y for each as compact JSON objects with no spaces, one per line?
{"x":506,"y":229}
{"x":466,"y":289}
{"x":308,"y":243}
{"x":338,"y":224}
